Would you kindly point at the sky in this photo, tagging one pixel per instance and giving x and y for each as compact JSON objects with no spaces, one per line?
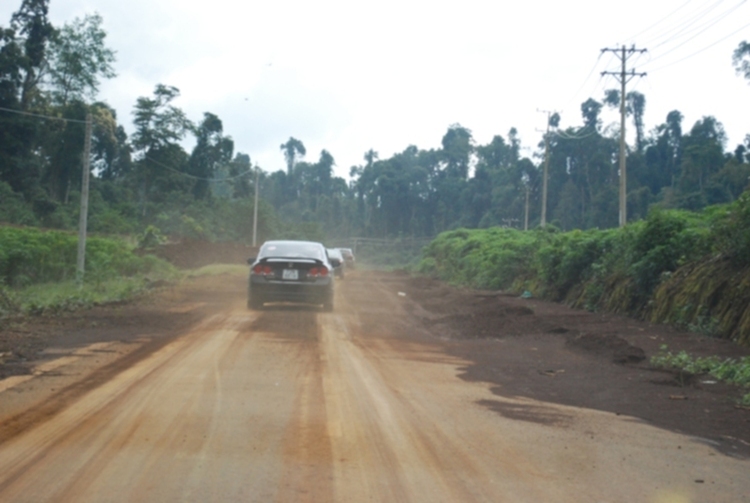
{"x":348,"y":76}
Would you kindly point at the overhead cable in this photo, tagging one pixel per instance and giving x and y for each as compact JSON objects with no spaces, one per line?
{"x":187,"y":175}
{"x":703,"y":28}
{"x":661,"y":20}
{"x":701,"y":50}
{"x":41,"y":116}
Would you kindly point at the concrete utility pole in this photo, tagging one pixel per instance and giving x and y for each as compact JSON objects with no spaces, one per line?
{"x":526,"y":212}
{"x":624,"y":77}
{"x":255,"y":208}
{"x":83,"y":218}
{"x":546,"y":167}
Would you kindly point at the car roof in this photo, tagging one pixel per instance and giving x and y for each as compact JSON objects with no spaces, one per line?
{"x":291,"y":242}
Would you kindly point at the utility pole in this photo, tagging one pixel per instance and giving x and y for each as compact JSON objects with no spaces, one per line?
{"x":624,"y":77}
{"x":83,"y":218}
{"x":255,"y":207}
{"x":546,"y":167}
{"x":526,"y":213}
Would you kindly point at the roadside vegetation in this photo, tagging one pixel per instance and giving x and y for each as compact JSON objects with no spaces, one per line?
{"x":723,"y":369}
{"x":690,"y":269}
{"x":37,"y":271}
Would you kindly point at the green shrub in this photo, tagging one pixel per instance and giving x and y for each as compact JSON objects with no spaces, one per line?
{"x":667,"y":240}
{"x":13,"y":209}
{"x":731,"y":230}
{"x":724,"y":369}
{"x":31,"y":256}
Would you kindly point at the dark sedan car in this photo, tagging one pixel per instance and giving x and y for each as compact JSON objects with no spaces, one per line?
{"x":291,"y":271}
{"x":334,"y":255}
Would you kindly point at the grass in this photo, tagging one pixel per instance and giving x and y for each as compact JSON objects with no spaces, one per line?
{"x":53,"y":298}
{"x":56,"y":297}
{"x":219,"y":269}
{"x":727,"y":369}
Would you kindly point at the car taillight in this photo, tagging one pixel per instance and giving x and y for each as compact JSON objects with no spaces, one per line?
{"x":263,"y":270}
{"x":318,"y":272}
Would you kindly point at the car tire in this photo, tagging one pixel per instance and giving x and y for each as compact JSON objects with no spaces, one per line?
{"x":254,"y":304}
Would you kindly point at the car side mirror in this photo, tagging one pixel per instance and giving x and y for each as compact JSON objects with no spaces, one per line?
{"x":251,"y":260}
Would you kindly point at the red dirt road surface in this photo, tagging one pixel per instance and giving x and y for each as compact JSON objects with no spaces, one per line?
{"x":409,"y":391}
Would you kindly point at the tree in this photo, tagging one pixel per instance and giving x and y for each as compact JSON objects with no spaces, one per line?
{"x":703,"y":156}
{"x":293,"y":149}
{"x":457,"y":149}
{"x":31,"y":21}
{"x":159,"y":127}
{"x":22,"y":50}
{"x":157,"y":122}
{"x":590,"y":110}
{"x":239,"y":170}
{"x":212,"y":149}
{"x":635,"y":105}
{"x":741,"y":59}
{"x":78,"y":58}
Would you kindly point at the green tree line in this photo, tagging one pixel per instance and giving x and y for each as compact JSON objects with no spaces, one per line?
{"x":49,"y":82}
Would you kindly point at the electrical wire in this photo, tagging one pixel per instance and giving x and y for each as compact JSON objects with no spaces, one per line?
{"x":661,"y":20}
{"x":681,"y":26}
{"x":187,"y":175}
{"x":704,"y":27}
{"x":41,"y":116}
{"x":700,"y":50}
{"x":565,"y":136}
{"x":596,"y":63}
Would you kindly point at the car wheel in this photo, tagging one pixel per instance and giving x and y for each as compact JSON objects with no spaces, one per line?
{"x":254,"y":303}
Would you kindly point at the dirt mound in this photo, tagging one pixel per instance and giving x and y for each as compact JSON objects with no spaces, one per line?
{"x":191,"y":253}
{"x":620,"y":350}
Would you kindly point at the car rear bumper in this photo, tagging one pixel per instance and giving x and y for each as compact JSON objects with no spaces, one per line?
{"x":277,"y":291}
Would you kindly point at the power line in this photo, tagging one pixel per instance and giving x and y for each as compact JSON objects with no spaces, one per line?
{"x":700,"y":50}
{"x":661,"y":20}
{"x":187,"y":175}
{"x":565,"y":136}
{"x":703,"y":28}
{"x":674,"y":31}
{"x":41,"y":116}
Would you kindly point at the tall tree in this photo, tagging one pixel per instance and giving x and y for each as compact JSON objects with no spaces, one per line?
{"x":741,"y":59}
{"x":78,"y":59}
{"x":590,"y":110}
{"x":212,"y":150}
{"x":31,"y":22}
{"x":635,"y":105}
{"x":293,"y":151}
{"x":457,"y":149}
{"x":159,"y":127}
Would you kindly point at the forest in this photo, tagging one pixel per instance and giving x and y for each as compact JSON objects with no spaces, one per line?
{"x":50,"y":78}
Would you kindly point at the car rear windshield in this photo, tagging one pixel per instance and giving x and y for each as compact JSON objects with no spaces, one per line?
{"x":292,"y":250}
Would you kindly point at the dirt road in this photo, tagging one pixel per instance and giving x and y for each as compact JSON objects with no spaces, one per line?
{"x":373,"y":402}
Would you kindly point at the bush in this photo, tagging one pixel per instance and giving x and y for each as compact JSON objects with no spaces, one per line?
{"x":32,"y":256}
{"x":667,"y":240}
{"x":731,"y":231}
{"x":13,"y":209}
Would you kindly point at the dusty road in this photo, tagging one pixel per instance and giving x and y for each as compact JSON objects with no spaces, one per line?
{"x":292,"y":404}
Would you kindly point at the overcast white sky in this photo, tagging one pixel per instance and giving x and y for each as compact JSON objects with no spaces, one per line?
{"x":347,"y":76}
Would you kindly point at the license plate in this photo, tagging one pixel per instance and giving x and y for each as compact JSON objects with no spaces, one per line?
{"x":290,"y":274}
